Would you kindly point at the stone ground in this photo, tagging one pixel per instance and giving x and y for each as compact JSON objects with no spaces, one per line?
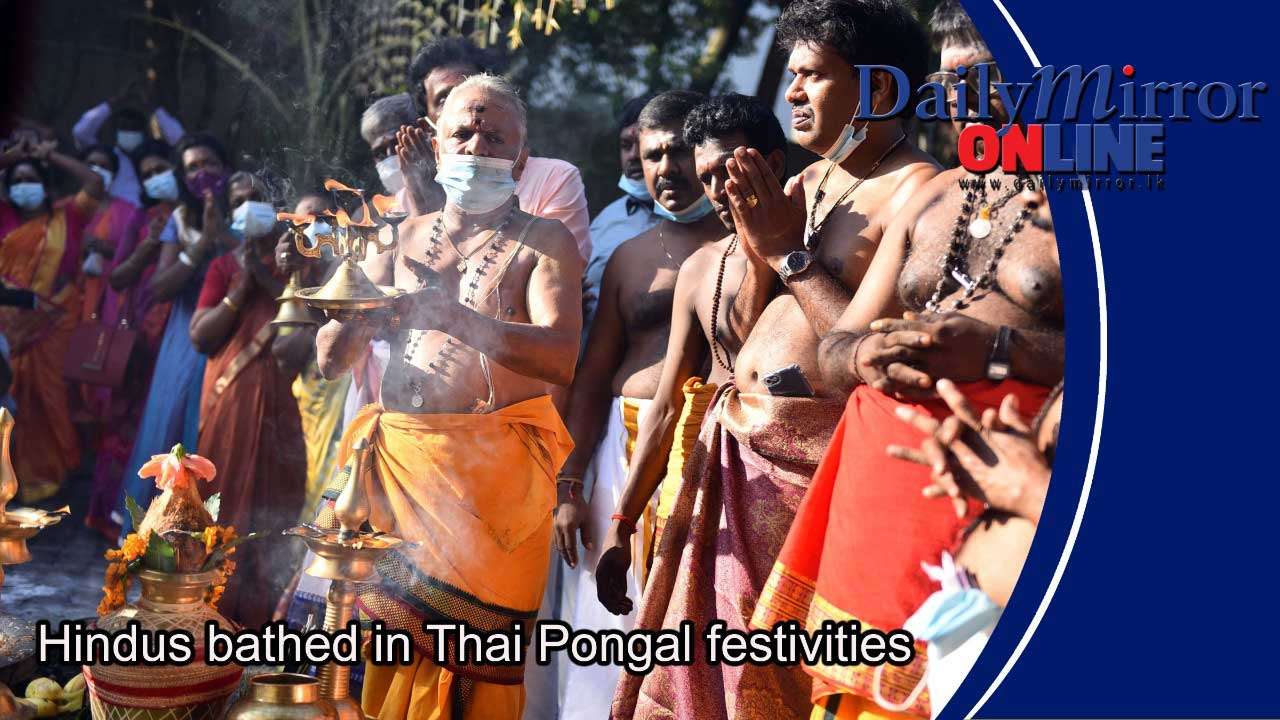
{"x":63,"y":581}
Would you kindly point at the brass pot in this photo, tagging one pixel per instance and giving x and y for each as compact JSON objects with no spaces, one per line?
{"x":282,"y":696}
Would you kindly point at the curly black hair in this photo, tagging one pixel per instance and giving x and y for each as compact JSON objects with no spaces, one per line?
{"x":448,"y":52}
{"x":724,"y":115}
{"x":863,"y":32}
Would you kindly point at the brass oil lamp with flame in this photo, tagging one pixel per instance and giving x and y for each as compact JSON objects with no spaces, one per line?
{"x":349,"y":288}
{"x":17,"y":525}
{"x":345,"y":556}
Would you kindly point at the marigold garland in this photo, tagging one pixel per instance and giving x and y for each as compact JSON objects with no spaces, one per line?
{"x":115,"y":585}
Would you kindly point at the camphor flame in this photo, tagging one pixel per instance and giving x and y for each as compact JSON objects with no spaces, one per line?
{"x":331,"y":184}
{"x":366,"y":221}
{"x":384,"y":204}
{"x":297,"y":219}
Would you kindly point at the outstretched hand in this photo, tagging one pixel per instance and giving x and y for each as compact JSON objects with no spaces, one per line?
{"x":992,"y":457}
{"x":768,"y":220}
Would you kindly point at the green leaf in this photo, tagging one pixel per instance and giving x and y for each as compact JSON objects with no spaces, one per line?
{"x":160,"y":555}
{"x":136,"y":514}
{"x":215,"y":558}
{"x":213,"y":505}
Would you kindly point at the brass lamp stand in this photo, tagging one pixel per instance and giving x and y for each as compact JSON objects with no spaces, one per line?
{"x":345,"y":556}
{"x":17,"y":525}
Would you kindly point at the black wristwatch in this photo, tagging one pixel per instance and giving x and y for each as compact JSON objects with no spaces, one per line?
{"x":794,"y":263}
{"x":998,"y":360}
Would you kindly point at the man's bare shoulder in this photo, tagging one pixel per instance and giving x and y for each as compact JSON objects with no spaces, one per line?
{"x":913,"y":175}
{"x":552,"y":239}
{"x":638,"y":247}
{"x":417,"y":227}
{"x":706,"y":256}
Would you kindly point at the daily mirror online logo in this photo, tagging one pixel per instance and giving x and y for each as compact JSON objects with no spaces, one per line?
{"x":1116,"y":126}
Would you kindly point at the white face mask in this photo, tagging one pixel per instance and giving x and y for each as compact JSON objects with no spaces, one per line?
{"x":106,"y":175}
{"x":389,"y":173}
{"x":848,"y":141}
{"x":253,"y":218}
{"x":476,"y":184}
{"x":129,"y":140}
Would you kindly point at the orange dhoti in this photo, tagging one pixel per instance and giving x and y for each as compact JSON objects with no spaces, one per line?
{"x":476,"y":493}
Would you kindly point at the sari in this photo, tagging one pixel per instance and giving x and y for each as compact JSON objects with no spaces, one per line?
{"x":119,"y":410}
{"x":170,"y":415}
{"x":42,"y":255}
{"x":742,"y":484}
{"x":856,"y":548}
{"x":251,"y":430}
{"x":483,"y":541}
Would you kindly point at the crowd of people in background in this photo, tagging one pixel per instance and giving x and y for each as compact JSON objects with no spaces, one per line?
{"x":735,"y":395}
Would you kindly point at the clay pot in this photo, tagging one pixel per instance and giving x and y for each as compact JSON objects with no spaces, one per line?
{"x":194,"y":691}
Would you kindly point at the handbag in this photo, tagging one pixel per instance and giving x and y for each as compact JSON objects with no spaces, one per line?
{"x":99,"y":354}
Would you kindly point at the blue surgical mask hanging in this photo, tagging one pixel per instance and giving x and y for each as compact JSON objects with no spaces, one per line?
{"x":474,"y":184}
{"x":954,"y":613}
{"x":636,"y":189}
{"x":691,"y":214}
{"x":849,"y":139}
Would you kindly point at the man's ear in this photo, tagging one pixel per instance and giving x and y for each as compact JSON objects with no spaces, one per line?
{"x":882,"y":90}
{"x":435,"y":147}
{"x":521,"y":161}
{"x":777,"y":161}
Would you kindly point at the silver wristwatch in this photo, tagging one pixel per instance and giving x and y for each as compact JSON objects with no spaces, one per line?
{"x":795,"y":263}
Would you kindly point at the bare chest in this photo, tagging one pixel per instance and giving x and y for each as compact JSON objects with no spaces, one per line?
{"x":953,"y":258}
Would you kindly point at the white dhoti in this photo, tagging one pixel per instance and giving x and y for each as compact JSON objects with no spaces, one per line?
{"x":587,"y":690}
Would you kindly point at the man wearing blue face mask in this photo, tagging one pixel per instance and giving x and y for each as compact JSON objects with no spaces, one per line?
{"x":130,"y":131}
{"x":623,"y":218}
{"x":466,"y":440}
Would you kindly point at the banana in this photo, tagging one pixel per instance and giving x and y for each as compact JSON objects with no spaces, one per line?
{"x":44,"y":689}
{"x":74,"y":688}
{"x":44,"y":708}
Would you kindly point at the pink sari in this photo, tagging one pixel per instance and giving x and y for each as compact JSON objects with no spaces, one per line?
{"x":123,"y":227}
